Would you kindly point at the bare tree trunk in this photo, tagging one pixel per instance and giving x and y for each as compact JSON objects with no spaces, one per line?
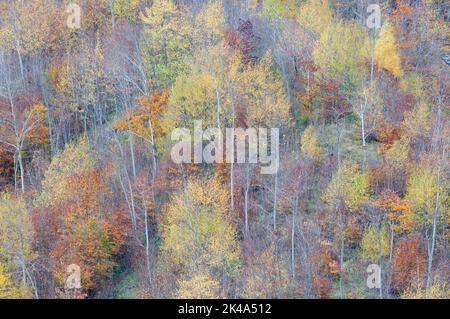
{"x":247,"y":188}
{"x":22,"y":172}
{"x":133,"y":161}
{"x":433,"y":235}
{"x":275,"y":198}
{"x":218,"y":107}
{"x":339,"y":212}
{"x":379,"y":257}
{"x":372,"y":62}
{"x":230,"y":92}
{"x":293,"y":239}
{"x":147,"y":242}
{"x":232,"y":186}
{"x":17,"y":43}
{"x":113,"y":15}
{"x":305,"y":258}
{"x":362,"y":116}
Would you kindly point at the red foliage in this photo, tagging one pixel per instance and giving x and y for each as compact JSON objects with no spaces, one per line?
{"x":322,"y":287}
{"x":6,"y":168}
{"x":409,"y":262}
{"x":244,"y":40}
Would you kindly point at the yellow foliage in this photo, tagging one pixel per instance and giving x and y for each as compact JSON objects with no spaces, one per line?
{"x":369,"y":244}
{"x":198,"y":237}
{"x":342,"y":49}
{"x":37,"y":23}
{"x":439,"y":290}
{"x":397,"y":155}
{"x":315,"y":15}
{"x":126,"y":9}
{"x":354,"y":188}
{"x":264,"y":95}
{"x":7,"y":288}
{"x":39,"y":133}
{"x":421,"y":192}
{"x":200,"y":286}
{"x":167,"y":41}
{"x":192,"y":97}
{"x":15,"y":228}
{"x":413,"y":83}
{"x":74,"y":158}
{"x":309,"y":144}
{"x":266,"y":276}
{"x":387,"y":54}
{"x":210,"y":23}
{"x":159,"y":14}
{"x":216,"y":70}
{"x":417,"y":122}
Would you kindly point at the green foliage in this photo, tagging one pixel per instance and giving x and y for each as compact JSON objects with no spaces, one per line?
{"x":373,"y":241}
{"x":266,"y":275}
{"x":341,"y":51}
{"x":8,"y":290}
{"x":75,"y":158}
{"x":15,"y":226}
{"x":198,"y":237}
{"x":209,"y":24}
{"x":309,"y":143}
{"x":315,"y":15}
{"x":127,"y":9}
{"x":167,"y":41}
{"x":264,"y":95}
{"x":421,"y":193}
{"x":354,"y":187}
{"x":140,"y":226}
{"x":438,"y":290}
{"x":200,"y":286}
{"x":192,"y":97}
{"x":277,"y":9}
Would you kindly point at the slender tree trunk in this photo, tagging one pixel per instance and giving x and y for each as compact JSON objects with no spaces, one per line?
{"x":17,"y":43}
{"x":218,"y":107}
{"x":153,"y":149}
{"x":232,"y":186}
{"x":363,"y":131}
{"x":339,"y":213}
{"x":147,"y":242}
{"x":275,"y":199}
{"x":305,"y":258}
{"x":294,"y":213}
{"x":230,"y":92}
{"x":379,"y":258}
{"x":113,"y":15}
{"x":22,"y":171}
{"x":433,"y":234}
{"x":247,"y":189}
{"x":372,"y":63}
{"x":133,"y":161}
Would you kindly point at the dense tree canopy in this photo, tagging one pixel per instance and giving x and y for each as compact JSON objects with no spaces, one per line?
{"x":86,"y":174}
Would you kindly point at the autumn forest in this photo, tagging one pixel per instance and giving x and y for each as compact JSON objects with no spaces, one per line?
{"x":93,"y":204}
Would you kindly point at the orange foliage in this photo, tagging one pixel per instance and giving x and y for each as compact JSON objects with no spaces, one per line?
{"x":387,"y":134}
{"x":398,"y":211}
{"x":326,"y":260}
{"x":145,"y":119}
{"x":354,"y":230}
{"x":402,"y":16}
{"x":322,"y":287}
{"x":409,"y":262}
{"x":82,"y":229}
